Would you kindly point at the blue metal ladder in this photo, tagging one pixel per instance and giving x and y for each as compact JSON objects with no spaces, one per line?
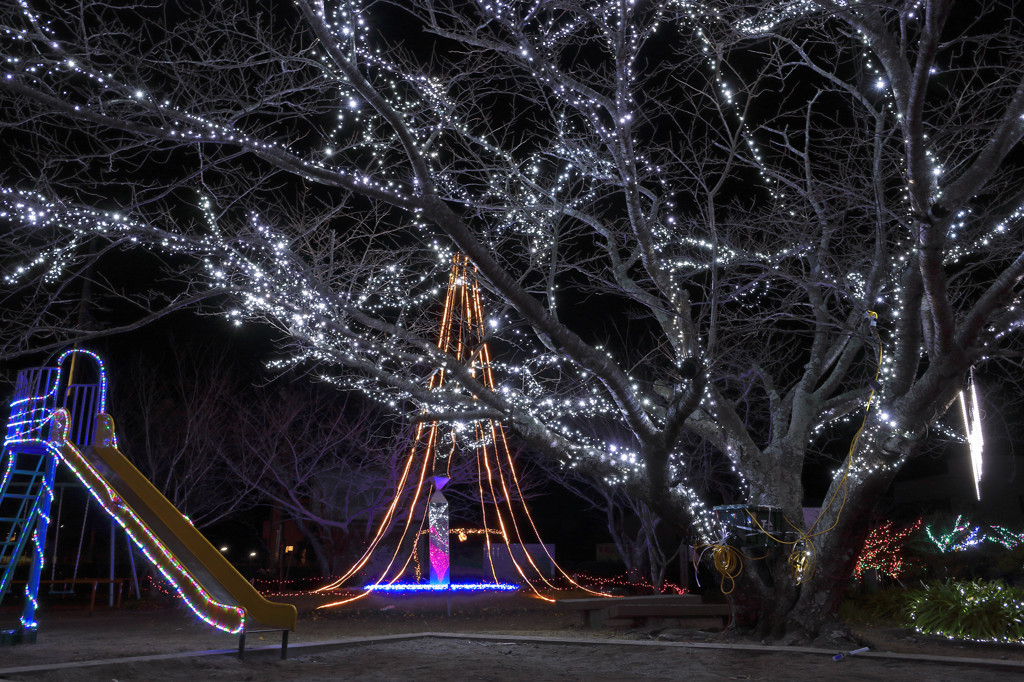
{"x":24,"y":519}
{"x":27,"y":473}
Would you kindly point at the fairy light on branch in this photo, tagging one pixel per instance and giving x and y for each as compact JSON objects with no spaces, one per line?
{"x":359,"y":334}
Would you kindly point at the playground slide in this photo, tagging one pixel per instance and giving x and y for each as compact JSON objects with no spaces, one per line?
{"x":208,"y":583}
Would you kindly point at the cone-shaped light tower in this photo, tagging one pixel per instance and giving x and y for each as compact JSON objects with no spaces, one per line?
{"x":437,"y":444}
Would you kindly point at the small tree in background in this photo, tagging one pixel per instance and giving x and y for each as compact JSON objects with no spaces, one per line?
{"x":885,"y":551}
{"x":175,"y":406}
{"x":326,"y":462}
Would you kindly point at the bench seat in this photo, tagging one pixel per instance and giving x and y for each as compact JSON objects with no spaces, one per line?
{"x":682,"y":607}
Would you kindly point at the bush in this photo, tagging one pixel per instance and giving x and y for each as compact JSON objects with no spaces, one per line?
{"x":885,"y":607}
{"x":977,"y":611}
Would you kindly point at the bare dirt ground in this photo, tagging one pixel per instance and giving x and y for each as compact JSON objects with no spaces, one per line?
{"x":487,"y":637}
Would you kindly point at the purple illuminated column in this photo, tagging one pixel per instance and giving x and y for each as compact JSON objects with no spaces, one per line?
{"x":437,"y":511}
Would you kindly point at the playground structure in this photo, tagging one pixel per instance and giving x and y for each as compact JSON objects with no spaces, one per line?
{"x":505,"y":516}
{"x":53,"y":420}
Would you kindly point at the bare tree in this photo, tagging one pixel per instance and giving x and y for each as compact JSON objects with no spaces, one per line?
{"x":216,"y":443}
{"x":174,"y":409}
{"x":327,"y":463}
{"x":331,"y":463}
{"x":789,"y":211}
{"x":632,"y":525}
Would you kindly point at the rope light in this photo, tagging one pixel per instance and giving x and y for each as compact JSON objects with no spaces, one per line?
{"x":461,"y":533}
{"x":462,"y":337}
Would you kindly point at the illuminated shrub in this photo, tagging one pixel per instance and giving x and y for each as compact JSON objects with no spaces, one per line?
{"x":977,"y":611}
{"x":884,"y":551}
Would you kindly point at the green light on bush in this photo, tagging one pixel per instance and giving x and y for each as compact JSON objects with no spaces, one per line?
{"x":963,"y":536}
{"x":975,"y":611}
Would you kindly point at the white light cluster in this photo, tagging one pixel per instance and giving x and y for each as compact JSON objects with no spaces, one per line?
{"x":593,"y":169}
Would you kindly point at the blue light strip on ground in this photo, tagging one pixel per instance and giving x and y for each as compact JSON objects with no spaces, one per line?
{"x":454,"y":587}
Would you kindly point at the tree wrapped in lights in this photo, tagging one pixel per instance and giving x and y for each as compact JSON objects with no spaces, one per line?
{"x":707,"y":226}
{"x":884,"y":551}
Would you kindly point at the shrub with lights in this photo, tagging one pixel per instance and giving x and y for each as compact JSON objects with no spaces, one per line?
{"x":885,"y":551}
{"x":979,"y":610}
{"x":965,"y":535}
{"x":941,"y":550}
{"x":976,"y":611}
{"x":974,"y":550}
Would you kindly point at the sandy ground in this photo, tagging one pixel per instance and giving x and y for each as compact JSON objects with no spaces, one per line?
{"x":492,"y":637}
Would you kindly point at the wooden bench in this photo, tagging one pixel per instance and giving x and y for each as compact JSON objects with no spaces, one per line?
{"x":716,"y":613}
{"x":682,"y":607}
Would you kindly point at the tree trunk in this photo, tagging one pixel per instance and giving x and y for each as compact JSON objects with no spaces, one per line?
{"x":821,"y":596}
{"x":766,"y":596}
{"x":322,"y":559}
{"x":763,"y":593}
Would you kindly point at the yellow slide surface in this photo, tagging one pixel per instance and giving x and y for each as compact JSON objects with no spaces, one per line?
{"x":208,"y":583}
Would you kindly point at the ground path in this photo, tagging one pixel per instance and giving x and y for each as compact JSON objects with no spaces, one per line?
{"x":508,"y":638}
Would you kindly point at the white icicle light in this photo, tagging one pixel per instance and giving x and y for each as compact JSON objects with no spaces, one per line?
{"x":976,"y":442}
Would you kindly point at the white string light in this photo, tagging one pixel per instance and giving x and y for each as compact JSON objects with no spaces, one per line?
{"x":521,"y":196}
